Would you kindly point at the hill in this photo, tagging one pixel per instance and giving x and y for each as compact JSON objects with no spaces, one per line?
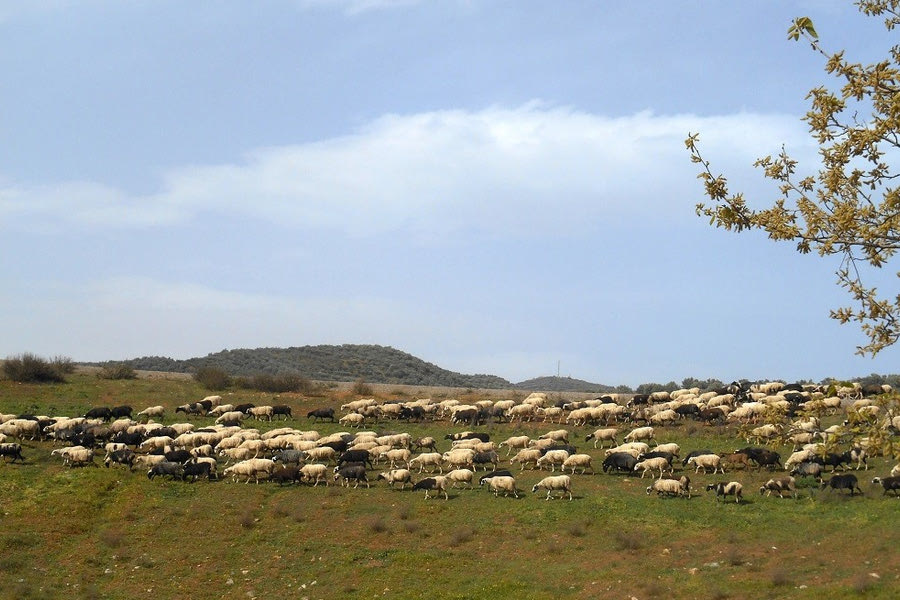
{"x":347,"y":362}
{"x":568,"y":384}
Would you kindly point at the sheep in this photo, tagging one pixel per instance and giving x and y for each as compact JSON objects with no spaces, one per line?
{"x":578,"y":460}
{"x":888,"y":483}
{"x":204,"y":460}
{"x":401,"y":476}
{"x":602,"y":435}
{"x":671,"y":487}
{"x":672,"y":448}
{"x":650,"y":464}
{"x":425,"y":442}
{"x":252,"y":467}
{"x":21,"y":428}
{"x":553,"y":458}
{"x":315,"y":473}
{"x":525,"y":457}
{"x":142,"y":461}
{"x":557,"y":435}
{"x":12,"y":451}
{"x":707,"y":461}
{"x":234,"y":416}
{"x":779,"y":485}
{"x":501,"y":483}
{"x":321,"y":454}
{"x":842,"y":482}
{"x":436,"y":482}
{"x":166,"y":469}
{"x":432,"y":459}
{"x":664,"y":417}
{"x":460,"y":458}
{"x":633,"y":448}
{"x":353,"y":419}
{"x":397,"y":456}
{"x":732,"y":488}
{"x":563,"y":483}
{"x":154,"y":412}
{"x":640,"y":433}
{"x":463,"y":476}
{"x":75,"y":456}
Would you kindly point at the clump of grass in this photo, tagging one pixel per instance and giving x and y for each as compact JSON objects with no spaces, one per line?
{"x":377,"y":525}
{"x":779,"y":577}
{"x":298,"y":515}
{"x":863,"y":584}
{"x":410,"y":526}
{"x":577,"y":529}
{"x":734,"y":557}
{"x":461,"y":536}
{"x":112,"y":537}
{"x":248,"y":520}
{"x":631,"y":541}
{"x":117,"y":371}
{"x":404,"y":513}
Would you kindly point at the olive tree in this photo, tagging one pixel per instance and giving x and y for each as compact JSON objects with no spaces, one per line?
{"x":850,"y":206}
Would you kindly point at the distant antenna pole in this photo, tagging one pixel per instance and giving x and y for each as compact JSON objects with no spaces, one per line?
{"x":557,"y":369}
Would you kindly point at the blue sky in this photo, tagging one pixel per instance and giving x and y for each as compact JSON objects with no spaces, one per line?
{"x":492,"y":186}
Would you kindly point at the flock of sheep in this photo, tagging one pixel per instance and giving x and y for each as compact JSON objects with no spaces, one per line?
{"x":229,"y":449}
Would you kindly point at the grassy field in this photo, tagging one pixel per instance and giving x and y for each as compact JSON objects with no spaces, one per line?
{"x":108,"y":533}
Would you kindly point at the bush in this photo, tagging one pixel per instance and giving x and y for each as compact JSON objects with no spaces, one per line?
{"x":361,"y":388}
{"x":276,"y":384}
{"x":212,"y":378}
{"x":117,"y":371}
{"x":28,"y":368}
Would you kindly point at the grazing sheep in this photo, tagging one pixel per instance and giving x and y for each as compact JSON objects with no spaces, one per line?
{"x":808,"y":469}
{"x":526,"y":457}
{"x":12,"y":451}
{"x":619,"y":461}
{"x":888,"y":483}
{"x":561,"y":483}
{"x":463,"y":457}
{"x":650,"y":464}
{"x":672,"y":448}
{"x":401,"y":476}
{"x":463,"y":476}
{"x":75,"y":456}
{"x":501,"y":483}
{"x":518,"y":442}
{"x":234,"y":416}
{"x":671,"y":487}
{"x":314,"y":473}
{"x":155,"y":412}
{"x":779,"y":485}
{"x":250,"y":468}
{"x":602,"y":435}
{"x":732,"y":488}
{"x":437,"y":482}
{"x":142,"y":461}
{"x":578,"y":460}
{"x":707,"y":461}
{"x":166,"y":469}
{"x":425,"y":442}
{"x":633,"y":448}
{"x":431,"y":459}
{"x":397,"y":456}
{"x":639,"y":434}
{"x":557,"y":435}
{"x":553,"y":458}
{"x":352,"y":420}
{"x":847,"y":481}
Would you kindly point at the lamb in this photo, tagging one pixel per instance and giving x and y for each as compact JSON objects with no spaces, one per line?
{"x":895,"y":471}
{"x":314,"y":473}
{"x":432,"y":459}
{"x":732,"y":488}
{"x":671,"y":487}
{"x":553,"y":458}
{"x":707,"y":461}
{"x":651,"y":464}
{"x":401,"y":476}
{"x":888,"y":483}
{"x":562,"y":483}
{"x":578,"y":460}
{"x":602,"y":435}
{"x":779,"y":485}
{"x":437,"y":482}
{"x":463,"y":476}
{"x":501,"y":483}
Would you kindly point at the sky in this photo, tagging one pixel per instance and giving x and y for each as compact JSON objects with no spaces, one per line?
{"x":494,"y":186}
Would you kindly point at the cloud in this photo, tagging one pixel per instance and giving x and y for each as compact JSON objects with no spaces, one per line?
{"x":356,"y":7}
{"x":496,"y":172}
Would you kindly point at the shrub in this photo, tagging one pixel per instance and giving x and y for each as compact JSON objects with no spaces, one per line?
{"x":278,"y":384}
{"x":29,"y":368}
{"x":361,"y":388}
{"x":212,"y":378}
{"x":117,"y":371}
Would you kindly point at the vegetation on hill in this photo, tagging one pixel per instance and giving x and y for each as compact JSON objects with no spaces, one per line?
{"x":568,"y":384}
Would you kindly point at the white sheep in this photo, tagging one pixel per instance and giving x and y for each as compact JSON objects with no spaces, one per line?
{"x":463,"y":476}
{"x":218,"y":411}
{"x":633,"y":448}
{"x":501,"y":483}
{"x":562,"y":483}
{"x":553,"y":458}
{"x":397,"y":456}
{"x":315,"y":473}
{"x":253,"y":467}
{"x":602,"y":435}
{"x":155,"y":412}
{"x":432,"y":459}
{"x":321,"y":454}
{"x":578,"y":460}
{"x":353,"y":419}
{"x":651,"y":464}
{"x":895,"y":471}
{"x":160,"y":442}
{"x":707,"y":461}
{"x":640,"y":433}
{"x":525,"y":457}
{"x":664,"y":417}
{"x":145,"y":461}
{"x":460,"y":458}
{"x":779,"y":485}
{"x":671,"y":447}
{"x":557,"y":435}
{"x":401,"y":476}
{"x":75,"y":456}
{"x":671,"y":487}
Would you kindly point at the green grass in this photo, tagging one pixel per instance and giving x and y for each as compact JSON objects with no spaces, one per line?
{"x":108,"y":533}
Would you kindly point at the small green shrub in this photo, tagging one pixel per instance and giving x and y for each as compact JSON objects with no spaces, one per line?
{"x":29,"y":368}
{"x":361,"y":388}
{"x":117,"y":371}
{"x":212,"y":378}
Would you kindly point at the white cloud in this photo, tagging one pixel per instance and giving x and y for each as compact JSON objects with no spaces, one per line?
{"x":498,"y":171}
{"x":356,"y":7}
